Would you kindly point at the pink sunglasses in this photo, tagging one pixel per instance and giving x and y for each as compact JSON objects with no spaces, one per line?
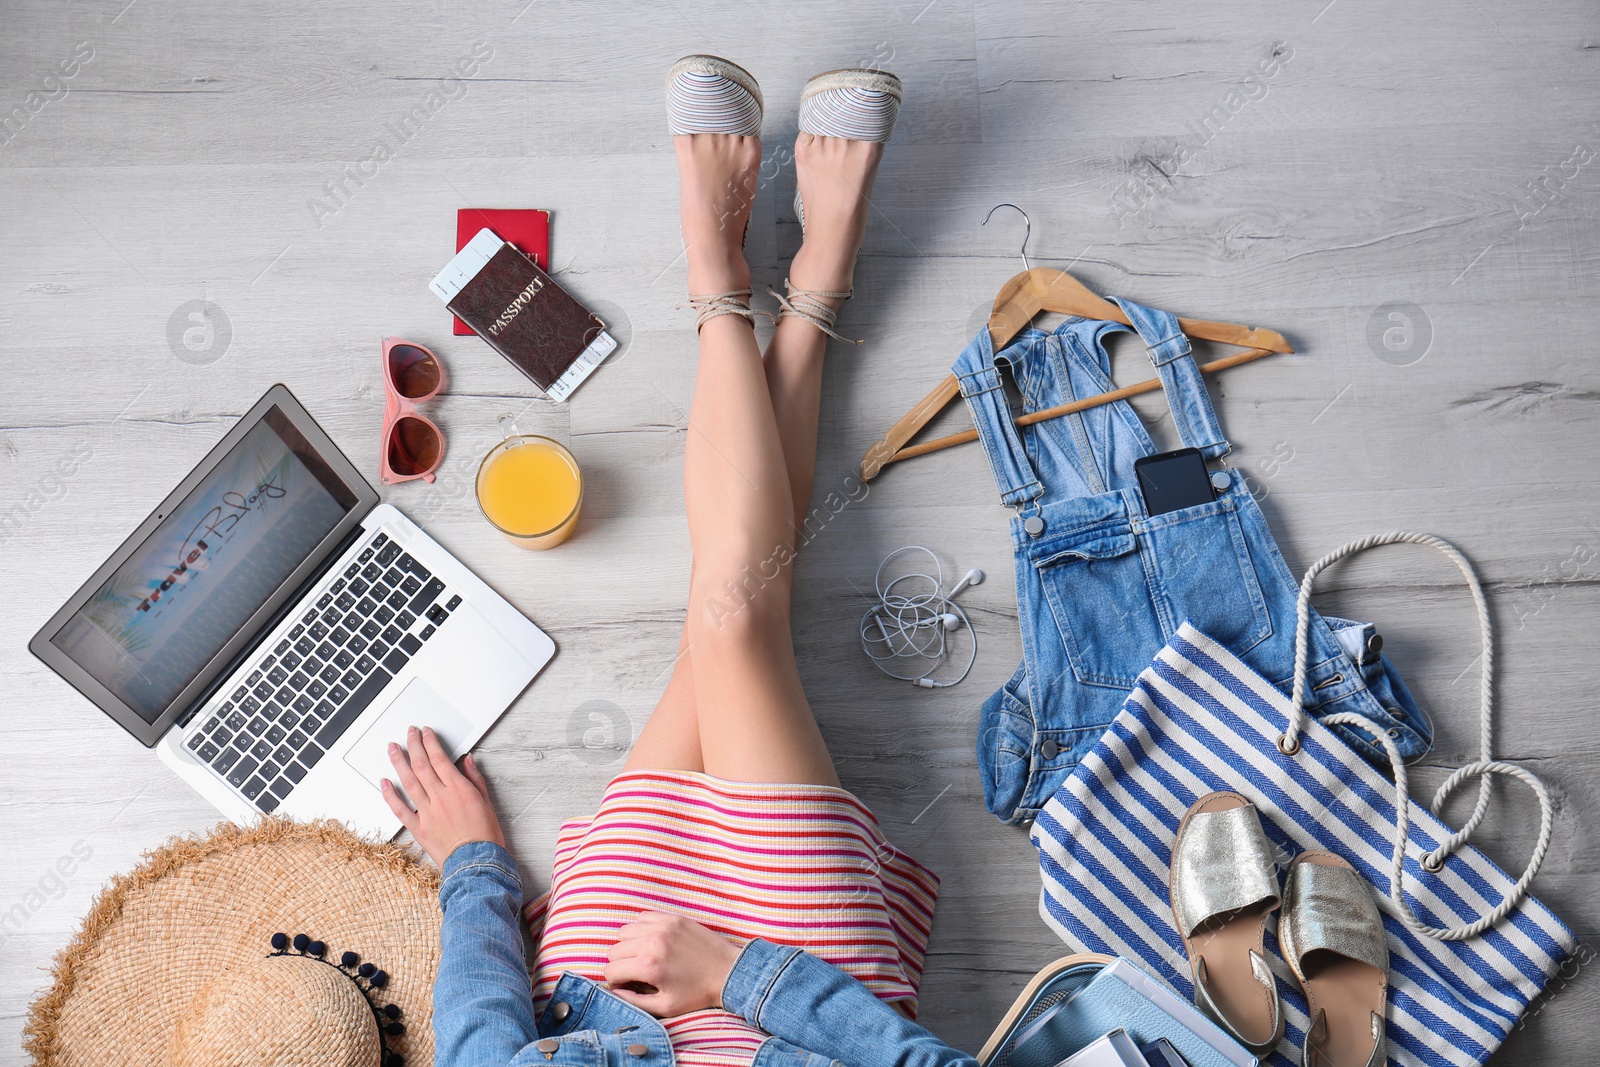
{"x":413,"y":446}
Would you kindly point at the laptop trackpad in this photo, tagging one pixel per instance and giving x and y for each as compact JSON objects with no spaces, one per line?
{"x":418,"y":705}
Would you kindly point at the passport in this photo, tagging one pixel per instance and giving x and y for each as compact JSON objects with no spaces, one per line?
{"x":529,"y":319}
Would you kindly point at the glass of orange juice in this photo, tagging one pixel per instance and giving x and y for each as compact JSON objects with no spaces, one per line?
{"x":530,"y":489}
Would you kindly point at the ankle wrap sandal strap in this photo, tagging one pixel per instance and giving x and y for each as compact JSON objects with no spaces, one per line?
{"x":715,"y":305}
{"x":808,"y":304}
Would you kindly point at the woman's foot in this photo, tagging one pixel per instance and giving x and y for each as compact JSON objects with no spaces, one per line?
{"x":717,"y":186}
{"x":714,"y":112}
{"x":846,"y":117}
{"x":835,"y":177}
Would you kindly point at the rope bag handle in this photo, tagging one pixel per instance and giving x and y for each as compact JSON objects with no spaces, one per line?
{"x":1486,"y":765}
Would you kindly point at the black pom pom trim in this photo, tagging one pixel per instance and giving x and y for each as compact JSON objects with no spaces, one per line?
{"x":384,"y":1018}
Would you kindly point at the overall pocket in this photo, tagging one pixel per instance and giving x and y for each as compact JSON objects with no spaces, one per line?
{"x":1117,"y":595}
{"x":1205,"y":575}
{"x":1099,"y":594}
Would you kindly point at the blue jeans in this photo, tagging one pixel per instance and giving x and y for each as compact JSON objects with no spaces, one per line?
{"x":483,"y":1001}
{"x":1102,"y":584}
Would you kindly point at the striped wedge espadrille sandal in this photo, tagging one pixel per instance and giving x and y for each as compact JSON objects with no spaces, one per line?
{"x":708,"y":94}
{"x":857,"y":105}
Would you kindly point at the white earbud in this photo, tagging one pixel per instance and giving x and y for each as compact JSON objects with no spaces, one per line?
{"x":972,"y":577}
{"x":950,"y":621}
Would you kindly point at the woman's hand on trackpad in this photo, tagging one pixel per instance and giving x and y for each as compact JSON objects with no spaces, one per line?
{"x":452,"y":806}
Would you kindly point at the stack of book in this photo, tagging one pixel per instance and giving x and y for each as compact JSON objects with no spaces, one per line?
{"x":1123,"y":1017}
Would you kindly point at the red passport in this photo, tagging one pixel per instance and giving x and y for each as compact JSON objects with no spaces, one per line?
{"x":526,"y":228}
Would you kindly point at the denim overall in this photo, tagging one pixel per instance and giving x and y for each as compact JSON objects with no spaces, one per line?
{"x":1102,"y":585}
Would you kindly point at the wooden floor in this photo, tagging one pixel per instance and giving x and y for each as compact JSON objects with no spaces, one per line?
{"x":1407,"y":191}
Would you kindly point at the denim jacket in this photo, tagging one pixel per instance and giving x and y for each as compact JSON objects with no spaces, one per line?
{"x":483,"y":1003}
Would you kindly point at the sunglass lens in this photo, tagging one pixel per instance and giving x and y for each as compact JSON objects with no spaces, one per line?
{"x":415,"y":371}
{"x":414,"y":447}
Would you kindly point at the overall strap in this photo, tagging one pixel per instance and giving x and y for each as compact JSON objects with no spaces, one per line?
{"x":1185,"y":387}
{"x":985,"y":395}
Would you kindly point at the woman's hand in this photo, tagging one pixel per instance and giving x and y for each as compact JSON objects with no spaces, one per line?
{"x":669,"y":965}
{"x":452,"y":808}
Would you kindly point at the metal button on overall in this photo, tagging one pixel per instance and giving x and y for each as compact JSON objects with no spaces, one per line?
{"x":560,"y":1010}
{"x":1049,"y":749}
{"x":548,"y":1046}
{"x":639,"y":1050}
{"x":1033,"y":526}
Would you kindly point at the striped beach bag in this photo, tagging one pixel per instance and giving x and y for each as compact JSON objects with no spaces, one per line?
{"x":1468,"y":947}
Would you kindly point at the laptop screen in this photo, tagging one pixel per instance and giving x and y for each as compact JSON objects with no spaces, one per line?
{"x":220,"y":554}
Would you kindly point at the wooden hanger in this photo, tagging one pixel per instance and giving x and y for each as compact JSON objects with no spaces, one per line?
{"x":1039,"y":289}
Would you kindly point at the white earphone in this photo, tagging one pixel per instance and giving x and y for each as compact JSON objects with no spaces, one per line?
{"x":901,"y":626}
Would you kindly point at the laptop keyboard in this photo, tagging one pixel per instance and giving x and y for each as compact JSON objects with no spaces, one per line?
{"x":303,"y":694}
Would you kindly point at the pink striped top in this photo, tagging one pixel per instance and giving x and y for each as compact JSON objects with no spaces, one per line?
{"x":802,"y":865}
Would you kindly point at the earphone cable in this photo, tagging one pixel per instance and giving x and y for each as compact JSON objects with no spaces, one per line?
{"x":905,"y":627}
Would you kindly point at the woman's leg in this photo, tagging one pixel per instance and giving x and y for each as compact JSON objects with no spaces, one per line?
{"x":755,"y":723}
{"x":835,"y":175}
{"x":670,"y":740}
{"x":835,"y":178}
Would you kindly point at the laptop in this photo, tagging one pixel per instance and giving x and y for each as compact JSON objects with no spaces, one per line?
{"x":271,"y":627}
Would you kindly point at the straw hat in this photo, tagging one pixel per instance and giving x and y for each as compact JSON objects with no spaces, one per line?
{"x":276,"y":944}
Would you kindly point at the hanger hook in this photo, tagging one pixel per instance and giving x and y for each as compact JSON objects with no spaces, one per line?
{"x":1025,"y":236}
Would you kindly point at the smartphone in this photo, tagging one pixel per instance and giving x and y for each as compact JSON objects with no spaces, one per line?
{"x":1173,"y":480}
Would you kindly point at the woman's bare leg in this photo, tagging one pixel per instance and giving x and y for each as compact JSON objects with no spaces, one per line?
{"x":755,"y":723}
{"x":670,"y":740}
{"x":835,"y":176}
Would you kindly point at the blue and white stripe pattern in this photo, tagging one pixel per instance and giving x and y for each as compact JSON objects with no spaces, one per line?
{"x":708,"y":94}
{"x":1200,"y":720}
